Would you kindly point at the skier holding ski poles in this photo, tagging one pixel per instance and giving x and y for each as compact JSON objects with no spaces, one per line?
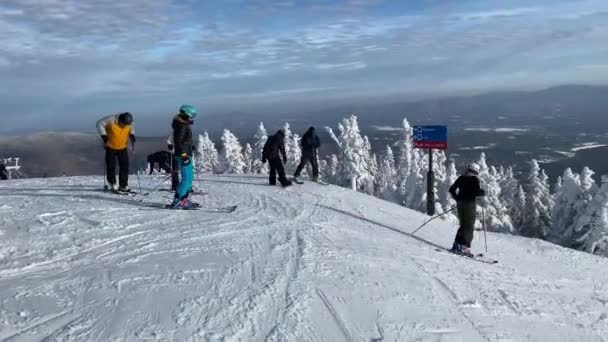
{"x":183,"y":152}
{"x":116,"y":131}
{"x":465,"y":191}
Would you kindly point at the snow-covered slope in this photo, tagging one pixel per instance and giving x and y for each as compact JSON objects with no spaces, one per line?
{"x":308,"y":263}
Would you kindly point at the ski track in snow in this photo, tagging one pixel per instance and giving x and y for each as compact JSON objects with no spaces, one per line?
{"x":306,"y":263}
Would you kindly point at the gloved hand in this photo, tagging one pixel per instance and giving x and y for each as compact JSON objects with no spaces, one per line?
{"x":185,"y":159}
{"x":132,"y":138}
{"x":104,"y":140}
{"x":263,"y":160}
{"x":170,"y":147}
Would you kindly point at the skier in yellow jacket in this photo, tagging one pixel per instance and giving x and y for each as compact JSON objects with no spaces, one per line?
{"x":116,"y":131}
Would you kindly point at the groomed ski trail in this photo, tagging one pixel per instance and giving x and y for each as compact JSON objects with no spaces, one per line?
{"x":306,"y":263}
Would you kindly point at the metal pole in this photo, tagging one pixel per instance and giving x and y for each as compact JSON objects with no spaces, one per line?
{"x":483,"y":213}
{"x":431,"y":219}
{"x":430,"y":185}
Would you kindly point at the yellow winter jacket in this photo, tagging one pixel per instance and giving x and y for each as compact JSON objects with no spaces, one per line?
{"x":118,"y":135}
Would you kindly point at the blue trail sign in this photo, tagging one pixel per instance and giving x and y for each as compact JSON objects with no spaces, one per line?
{"x":431,"y":137}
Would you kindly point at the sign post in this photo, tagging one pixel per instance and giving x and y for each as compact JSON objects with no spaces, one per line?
{"x":430,"y":137}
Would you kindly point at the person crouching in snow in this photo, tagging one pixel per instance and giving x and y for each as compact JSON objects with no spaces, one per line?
{"x":183,"y":149}
{"x":465,"y":191}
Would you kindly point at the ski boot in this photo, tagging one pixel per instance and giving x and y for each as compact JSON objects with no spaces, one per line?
{"x":124,"y":189}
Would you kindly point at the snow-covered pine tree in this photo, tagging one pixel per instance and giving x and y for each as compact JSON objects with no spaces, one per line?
{"x":354,"y":153}
{"x":539,"y":203}
{"x":248,"y":159}
{"x":406,"y":153}
{"x":564,"y":213}
{"x":413,"y":190}
{"x":232,"y":154}
{"x":292,"y":148}
{"x":445,"y":198}
{"x":496,"y":215}
{"x":386,"y":180}
{"x":330,"y":172}
{"x":260,"y":138}
{"x":509,"y":192}
{"x":441,"y":179}
{"x":207,"y":158}
{"x":592,"y":227}
{"x":368,"y":184}
{"x":587,"y":190}
{"x":519,"y":214}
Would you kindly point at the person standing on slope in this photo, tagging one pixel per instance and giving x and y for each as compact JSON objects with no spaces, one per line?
{"x":183,"y":152}
{"x":116,"y":131}
{"x":273,"y":149}
{"x":465,"y":191}
{"x":3,"y":172}
{"x":310,"y":143}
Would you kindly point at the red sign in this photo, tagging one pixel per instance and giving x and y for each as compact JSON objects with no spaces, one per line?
{"x":436,"y":145}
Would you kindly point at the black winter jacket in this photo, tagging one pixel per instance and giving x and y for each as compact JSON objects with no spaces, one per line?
{"x":274,"y":146}
{"x":182,"y":136}
{"x":310,"y":141}
{"x":468,"y":189}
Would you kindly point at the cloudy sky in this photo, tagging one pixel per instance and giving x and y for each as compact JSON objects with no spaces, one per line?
{"x":66,"y":62}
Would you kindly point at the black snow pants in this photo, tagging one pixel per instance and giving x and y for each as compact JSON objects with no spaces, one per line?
{"x":466,"y":216}
{"x":123,"y":163}
{"x":276,"y":166}
{"x":308,"y":157}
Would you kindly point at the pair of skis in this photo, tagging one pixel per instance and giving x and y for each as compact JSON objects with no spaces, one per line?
{"x":476,"y":257}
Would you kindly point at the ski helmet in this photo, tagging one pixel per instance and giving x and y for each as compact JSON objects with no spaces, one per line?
{"x":473,"y":168}
{"x":125,"y":118}
{"x":188,"y":110}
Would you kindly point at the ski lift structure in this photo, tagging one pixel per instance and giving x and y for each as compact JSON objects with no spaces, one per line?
{"x":12,"y":166}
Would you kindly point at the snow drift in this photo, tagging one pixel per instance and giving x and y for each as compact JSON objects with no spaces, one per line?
{"x":307,"y":263}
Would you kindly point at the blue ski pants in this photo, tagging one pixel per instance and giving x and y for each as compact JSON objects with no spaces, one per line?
{"x":187,"y":176}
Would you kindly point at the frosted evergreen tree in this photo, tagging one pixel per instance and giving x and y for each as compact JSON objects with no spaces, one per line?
{"x":445,"y":198}
{"x":387,"y":175}
{"x":368,"y":184}
{"x":406,"y":153}
{"x":539,"y":203}
{"x":292,"y":148}
{"x":509,"y":192}
{"x":413,"y":189}
{"x":592,"y":226}
{"x":232,"y":154}
{"x":564,"y":211}
{"x":441,"y":181}
{"x":260,"y":138}
{"x":248,"y":159}
{"x":355,"y":153}
{"x":519,"y":209}
{"x":587,"y":191}
{"x":496,"y":215}
{"x":207,"y":158}
{"x":330,"y":172}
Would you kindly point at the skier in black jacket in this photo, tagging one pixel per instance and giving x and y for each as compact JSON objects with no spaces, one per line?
{"x":465,"y":191}
{"x":310,"y":143}
{"x":3,"y":172}
{"x":183,"y":146}
{"x":273,"y":149}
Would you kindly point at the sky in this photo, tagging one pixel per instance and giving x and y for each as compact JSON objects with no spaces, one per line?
{"x":65,"y":63}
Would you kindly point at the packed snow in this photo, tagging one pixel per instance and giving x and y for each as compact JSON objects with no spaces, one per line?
{"x":306,"y":263}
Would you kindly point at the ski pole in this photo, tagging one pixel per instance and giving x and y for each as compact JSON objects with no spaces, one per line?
{"x":136,"y":170}
{"x":431,"y":219}
{"x":483,"y":213}
{"x":157,"y":185}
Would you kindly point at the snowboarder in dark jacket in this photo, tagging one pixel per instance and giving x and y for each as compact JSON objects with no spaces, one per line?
{"x":310,"y":143}
{"x":273,"y":150}
{"x":465,"y":191}
{"x":183,"y":147}
{"x":162,"y":159}
{"x":3,"y":172}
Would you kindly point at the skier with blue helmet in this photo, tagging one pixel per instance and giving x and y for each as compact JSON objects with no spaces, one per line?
{"x":183,"y":148}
